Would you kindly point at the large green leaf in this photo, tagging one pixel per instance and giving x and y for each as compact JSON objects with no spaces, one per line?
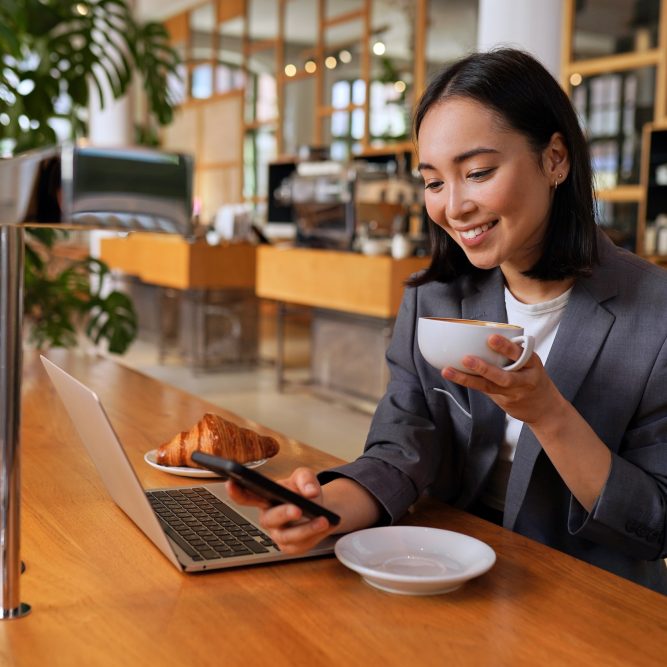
{"x":114,"y":319}
{"x":94,"y":43}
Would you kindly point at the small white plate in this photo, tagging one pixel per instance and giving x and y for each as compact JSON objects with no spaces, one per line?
{"x":414,"y":560}
{"x":186,"y":471}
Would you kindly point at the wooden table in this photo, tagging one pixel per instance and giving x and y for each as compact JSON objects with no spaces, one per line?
{"x":102,"y":594}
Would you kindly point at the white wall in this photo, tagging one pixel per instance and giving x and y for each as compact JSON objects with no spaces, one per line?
{"x":161,"y":9}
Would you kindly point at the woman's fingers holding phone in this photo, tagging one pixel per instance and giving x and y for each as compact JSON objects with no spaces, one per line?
{"x":291,"y":531}
{"x":304,"y":482}
{"x":286,"y":524}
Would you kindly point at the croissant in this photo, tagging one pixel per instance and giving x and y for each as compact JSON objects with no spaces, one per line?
{"x":214,"y":435}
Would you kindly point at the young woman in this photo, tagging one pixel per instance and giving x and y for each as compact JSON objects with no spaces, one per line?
{"x":571,"y":450}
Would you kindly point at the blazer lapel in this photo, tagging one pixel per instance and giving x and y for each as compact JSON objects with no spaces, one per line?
{"x":488,"y":420}
{"x":580,"y":336}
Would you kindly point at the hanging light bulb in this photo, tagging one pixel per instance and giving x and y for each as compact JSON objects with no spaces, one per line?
{"x":379,"y":48}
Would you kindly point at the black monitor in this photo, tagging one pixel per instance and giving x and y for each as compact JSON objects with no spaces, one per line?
{"x":279,"y":211}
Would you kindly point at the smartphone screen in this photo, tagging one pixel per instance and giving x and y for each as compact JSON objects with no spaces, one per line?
{"x":262,"y":486}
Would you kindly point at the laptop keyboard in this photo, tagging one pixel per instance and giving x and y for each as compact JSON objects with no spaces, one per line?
{"x":204,"y":527}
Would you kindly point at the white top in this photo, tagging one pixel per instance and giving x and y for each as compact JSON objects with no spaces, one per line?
{"x":541,"y":321}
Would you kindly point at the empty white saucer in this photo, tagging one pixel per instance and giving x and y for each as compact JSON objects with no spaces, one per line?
{"x":414,"y":560}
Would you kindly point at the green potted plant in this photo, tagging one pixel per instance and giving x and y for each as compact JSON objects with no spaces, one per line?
{"x":53,"y":52}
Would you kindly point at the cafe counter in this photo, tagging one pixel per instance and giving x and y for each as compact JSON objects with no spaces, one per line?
{"x":206,"y":293}
{"x":354,"y":300}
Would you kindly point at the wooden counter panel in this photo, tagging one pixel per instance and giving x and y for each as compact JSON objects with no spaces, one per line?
{"x":337,"y":280}
{"x":171,"y":261}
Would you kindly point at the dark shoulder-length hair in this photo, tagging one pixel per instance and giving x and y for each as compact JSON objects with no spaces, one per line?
{"x":527,"y":99}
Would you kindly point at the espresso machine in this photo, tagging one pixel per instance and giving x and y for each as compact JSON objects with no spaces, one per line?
{"x":336,"y":205}
{"x":321,"y":197}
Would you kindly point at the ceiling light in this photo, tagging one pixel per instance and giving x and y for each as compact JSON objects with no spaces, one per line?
{"x":399,"y":86}
{"x":576,"y":79}
{"x":379,"y":48}
{"x":330,"y":62}
{"x":290,"y":70}
{"x":345,"y":56}
{"x":310,"y":66}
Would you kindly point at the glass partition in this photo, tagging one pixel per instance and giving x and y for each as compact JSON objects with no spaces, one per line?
{"x":392,"y":47}
{"x":202,"y":22}
{"x":343,"y":132}
{"x":342,"y":62}
{"x":298,"y":115}
{"x":613,"y":109}
{"x":261,"y":93}
{"x":229,"y":65}
{"x":619,"y":221}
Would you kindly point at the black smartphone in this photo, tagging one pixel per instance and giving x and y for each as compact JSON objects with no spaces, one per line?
{"x":262,"y":486}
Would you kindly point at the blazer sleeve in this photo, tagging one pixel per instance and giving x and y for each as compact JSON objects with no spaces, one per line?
{"x":403,"y":453}
{"x":631,"y":512}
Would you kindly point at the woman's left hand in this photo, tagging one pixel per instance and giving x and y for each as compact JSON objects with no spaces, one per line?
{"x":525,"y":394}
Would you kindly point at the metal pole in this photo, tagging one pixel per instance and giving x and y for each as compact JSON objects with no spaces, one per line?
{"x":280,"y":343}
{"x":11,"y":321}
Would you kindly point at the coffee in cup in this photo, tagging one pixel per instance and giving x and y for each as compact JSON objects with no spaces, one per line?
{"x":445,"y":341}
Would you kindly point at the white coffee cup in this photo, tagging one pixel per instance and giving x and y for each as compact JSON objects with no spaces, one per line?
{"x":444,"y":341}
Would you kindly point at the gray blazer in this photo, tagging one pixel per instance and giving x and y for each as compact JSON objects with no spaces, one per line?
{"x":609,"y":359}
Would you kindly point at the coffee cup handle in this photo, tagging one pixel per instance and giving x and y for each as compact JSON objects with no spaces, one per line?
{"x":528,"y":343}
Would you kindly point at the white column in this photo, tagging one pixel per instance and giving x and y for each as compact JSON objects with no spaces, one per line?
{"x":108,"y":126}
{"x":531,"y":25}
{"x":111,"y":125}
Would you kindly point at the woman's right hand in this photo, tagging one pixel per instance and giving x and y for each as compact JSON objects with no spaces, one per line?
{"x":285,"y":524}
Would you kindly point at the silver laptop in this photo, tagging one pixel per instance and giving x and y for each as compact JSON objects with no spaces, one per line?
{"x":197,"y":528}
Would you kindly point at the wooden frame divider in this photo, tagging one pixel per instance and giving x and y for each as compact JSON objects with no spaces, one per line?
{"x":225,"y":10}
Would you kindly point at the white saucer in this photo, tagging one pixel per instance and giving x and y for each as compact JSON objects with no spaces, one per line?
{"x":186,"y":471}
{"x":414,"y":560}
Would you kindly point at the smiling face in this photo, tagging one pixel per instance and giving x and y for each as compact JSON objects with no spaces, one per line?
{"x":486,"y":186}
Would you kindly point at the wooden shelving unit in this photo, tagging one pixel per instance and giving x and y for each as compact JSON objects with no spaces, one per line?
{"x":642,"y":56}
